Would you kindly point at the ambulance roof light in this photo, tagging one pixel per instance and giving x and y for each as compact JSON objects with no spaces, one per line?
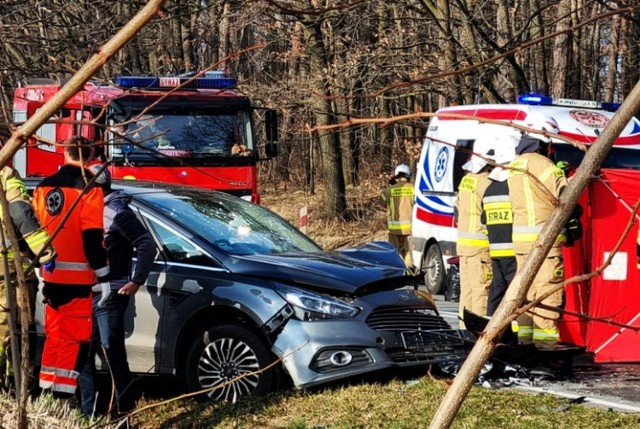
{"x":536,"y":99}
{"x":211,"y":80}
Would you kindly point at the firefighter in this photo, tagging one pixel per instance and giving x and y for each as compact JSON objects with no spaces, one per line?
{"x":31,"y":238}
{"x":81,"y":259}
{"x":535,"y":183}
{"x":497,"y":215}
{"x":398,"y":199}
{"x":472,"y":244}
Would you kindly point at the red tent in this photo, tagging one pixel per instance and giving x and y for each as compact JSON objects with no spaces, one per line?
{"x":614,"y":296}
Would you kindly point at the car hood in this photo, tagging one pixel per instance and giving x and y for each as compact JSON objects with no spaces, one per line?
{"x":373,"y":265}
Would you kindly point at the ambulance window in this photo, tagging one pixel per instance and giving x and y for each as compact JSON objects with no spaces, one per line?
{"x":463,"y":151}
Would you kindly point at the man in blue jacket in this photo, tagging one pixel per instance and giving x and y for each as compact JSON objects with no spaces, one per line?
{"x":124,"y":233}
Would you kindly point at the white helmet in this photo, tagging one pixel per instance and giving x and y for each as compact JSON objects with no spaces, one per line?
{"x":403,"y":169}
{"x":500,"y":148}
{"x":542,"y":122}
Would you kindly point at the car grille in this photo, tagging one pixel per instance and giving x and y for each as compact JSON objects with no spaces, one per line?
{"x":425,"y":337}
{"x":396,"y":319}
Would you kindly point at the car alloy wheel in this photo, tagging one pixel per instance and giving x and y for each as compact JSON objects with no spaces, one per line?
{"x":226,"y":359}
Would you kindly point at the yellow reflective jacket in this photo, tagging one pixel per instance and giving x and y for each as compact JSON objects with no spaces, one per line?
{"x":399,"y":200}
{"x":28,"y":230}
{"x":472,"y":235}
{"x":533,"y":198}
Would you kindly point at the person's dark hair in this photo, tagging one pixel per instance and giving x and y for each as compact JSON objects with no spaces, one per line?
{"x":78,"y":148}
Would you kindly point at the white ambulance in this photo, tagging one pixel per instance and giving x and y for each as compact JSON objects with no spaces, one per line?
{"x":439,"y":170}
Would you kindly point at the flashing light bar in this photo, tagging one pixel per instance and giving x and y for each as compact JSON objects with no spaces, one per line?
{"x":211,"y":80}
{"x":535,"y":99}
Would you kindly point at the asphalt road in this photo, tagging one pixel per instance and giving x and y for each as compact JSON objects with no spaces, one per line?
{"x":612,"y":386}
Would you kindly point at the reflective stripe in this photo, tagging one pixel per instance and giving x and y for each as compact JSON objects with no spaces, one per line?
{"x":64,"y":388}
{"x":497,"y":198}
{"x":498,"y":205}
{"x":502,"y":253}
{"x":45,"y":384}
{"x":37,"y":239}
{"x":531,"y":206}
{"x":525,"y":331}
{"x":391,"y":222}
{"x":47,"y":370}
{"x":473,"y":242}
{"x":473,"y":239}
{"x":545,"y":334}
{"x":72,"y":266}
{"x":101,"y":272}
{"x":501,"y":250}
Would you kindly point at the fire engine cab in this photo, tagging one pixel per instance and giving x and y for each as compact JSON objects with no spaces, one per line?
{"x":189,"y":130}
{"x":607,"y":202}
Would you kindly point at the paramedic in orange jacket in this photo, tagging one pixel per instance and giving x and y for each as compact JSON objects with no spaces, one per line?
{"x":535,"y":183}
{"x":81,"y":259}
{"x":472,"y":244}
{"x":398,"y":198}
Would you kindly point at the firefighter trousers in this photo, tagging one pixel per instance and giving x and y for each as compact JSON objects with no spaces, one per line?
{"x":5,"y":333}
{"x":475,"y":279}
{"x":401,"y":243}
{"x":541,"y":326}
{"x":504,"y":270}
{"x":67,"y":329}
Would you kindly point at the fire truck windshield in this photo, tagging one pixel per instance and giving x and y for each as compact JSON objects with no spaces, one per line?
{"x":166,"y":137}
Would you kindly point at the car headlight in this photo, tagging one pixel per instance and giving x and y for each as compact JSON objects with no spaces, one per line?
{"x":312,"y":306}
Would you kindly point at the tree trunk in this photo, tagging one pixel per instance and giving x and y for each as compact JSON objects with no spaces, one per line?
{"x":561,"y":51}
{"x":335,"y":200}
{"x":518,"y":288}
{"x":612,"y":69}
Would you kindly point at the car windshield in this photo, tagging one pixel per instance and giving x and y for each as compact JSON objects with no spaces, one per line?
{"x":230,"y":224}
{"x":199,"y":136}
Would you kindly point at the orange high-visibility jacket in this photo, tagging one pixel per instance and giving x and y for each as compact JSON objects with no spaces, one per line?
{"x":79,"y":242}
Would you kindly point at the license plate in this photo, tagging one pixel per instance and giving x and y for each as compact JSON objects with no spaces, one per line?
{"x":420,"y":340}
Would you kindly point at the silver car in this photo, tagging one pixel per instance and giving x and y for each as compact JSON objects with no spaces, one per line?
{"x":235,"y":288}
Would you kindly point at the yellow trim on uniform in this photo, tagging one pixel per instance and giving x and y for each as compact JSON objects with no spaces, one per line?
{"x":475,"y":242}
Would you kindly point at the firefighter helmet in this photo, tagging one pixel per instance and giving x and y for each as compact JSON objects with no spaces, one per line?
{"x":483,"y":149}
{"x":403,"y":169}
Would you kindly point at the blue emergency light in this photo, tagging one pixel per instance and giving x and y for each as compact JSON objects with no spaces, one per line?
{"x":211,"y":80}
{"x":535,"y":99}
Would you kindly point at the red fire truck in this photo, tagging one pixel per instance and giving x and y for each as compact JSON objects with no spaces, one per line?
{"x":183,"y":129}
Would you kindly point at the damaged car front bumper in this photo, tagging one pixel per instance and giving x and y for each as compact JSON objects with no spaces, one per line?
{"x":395,"y":329}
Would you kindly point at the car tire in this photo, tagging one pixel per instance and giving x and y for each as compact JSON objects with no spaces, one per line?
{"x":224,"y":353}
{"x":434,"y":271}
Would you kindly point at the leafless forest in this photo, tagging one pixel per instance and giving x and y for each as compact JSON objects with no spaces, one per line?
{"x":326,"y":63}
